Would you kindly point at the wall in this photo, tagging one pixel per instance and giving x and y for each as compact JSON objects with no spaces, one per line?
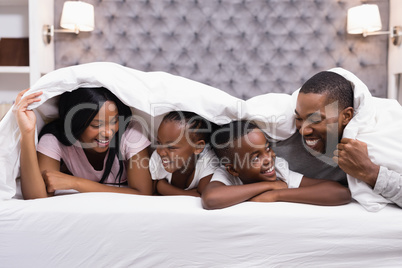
{"x":245,"y":47}
{"x":395,"y":54}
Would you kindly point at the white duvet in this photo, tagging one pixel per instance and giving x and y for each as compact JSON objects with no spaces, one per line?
{"x":377,"y":122}
{"x":153,"y":94}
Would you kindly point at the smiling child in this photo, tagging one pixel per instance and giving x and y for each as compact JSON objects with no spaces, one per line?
{"x":250,"y":171}
{"x":183,"y":162}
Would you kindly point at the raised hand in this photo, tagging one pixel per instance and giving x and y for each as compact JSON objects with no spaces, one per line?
{"x":26,"y":118}
{"x":352,"y":157}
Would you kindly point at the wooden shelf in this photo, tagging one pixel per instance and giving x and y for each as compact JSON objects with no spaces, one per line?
{"x":24,"y":19}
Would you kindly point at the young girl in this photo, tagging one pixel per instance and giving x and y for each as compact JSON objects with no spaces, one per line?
{"x":183,"y":162}
{"x":91,"y":144}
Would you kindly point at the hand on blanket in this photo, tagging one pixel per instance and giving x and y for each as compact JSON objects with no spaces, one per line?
{"x":56,"y":180}
{"x":26,"y":119}
{"x":352,"y":157}
{"x":271,"y":195}
{"x":268,"y":196}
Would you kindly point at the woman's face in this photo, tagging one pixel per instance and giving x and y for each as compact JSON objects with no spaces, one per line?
{"x":101,"y":130}
{"x":174,"y":147}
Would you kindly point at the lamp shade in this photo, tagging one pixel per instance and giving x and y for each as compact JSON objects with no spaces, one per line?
{"x":364,"y":19}
{"x":78,"y":15}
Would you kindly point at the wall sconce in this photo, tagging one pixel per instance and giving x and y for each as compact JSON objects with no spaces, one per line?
{"x":365,"y":19}
{"x":76,"y":16}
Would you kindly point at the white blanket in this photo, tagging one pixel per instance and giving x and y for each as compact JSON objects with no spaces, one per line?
{"x":151,"y":95}
{"x":377,"y":122}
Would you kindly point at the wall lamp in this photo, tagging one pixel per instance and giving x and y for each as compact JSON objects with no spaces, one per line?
{"x":76,"y":16}
{"x":365,"y":19}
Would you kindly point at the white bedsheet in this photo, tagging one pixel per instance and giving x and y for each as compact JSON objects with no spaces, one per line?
{"x":118,"y":230}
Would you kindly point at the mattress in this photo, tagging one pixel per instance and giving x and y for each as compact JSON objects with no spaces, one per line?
{"x":121,"y":230}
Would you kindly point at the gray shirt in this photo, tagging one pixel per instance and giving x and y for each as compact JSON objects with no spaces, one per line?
{"x":301,"y":161}
{"x":389,"y":185}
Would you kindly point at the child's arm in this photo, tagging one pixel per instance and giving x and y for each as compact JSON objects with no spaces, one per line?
{"x":163,"y":187}
{"x":203,"y":183}
{"x":311,"y":191}
{"x":218,"y":195}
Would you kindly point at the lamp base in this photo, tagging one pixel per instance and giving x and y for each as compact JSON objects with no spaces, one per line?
{"x":47,"y":33}
{"x":397,"y":35}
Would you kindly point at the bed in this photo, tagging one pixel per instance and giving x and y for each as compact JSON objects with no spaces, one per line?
{"x":119,"y":230}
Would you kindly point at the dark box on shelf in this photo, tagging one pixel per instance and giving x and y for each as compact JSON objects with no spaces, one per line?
{"x":14,"y":52}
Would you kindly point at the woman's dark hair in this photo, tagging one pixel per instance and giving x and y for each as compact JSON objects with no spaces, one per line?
{"x":78,"y":108}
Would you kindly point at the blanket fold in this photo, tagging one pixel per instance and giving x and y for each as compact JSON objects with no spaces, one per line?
{"x":153,"y":94}
{"x":150,"y":94}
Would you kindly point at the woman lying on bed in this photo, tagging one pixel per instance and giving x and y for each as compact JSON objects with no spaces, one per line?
{"x":93,"y":143}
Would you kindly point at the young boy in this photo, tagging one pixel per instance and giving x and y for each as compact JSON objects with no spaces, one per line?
{"x":250,"y":171}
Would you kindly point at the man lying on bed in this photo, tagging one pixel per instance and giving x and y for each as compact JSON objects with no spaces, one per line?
{"x":323,"y":110}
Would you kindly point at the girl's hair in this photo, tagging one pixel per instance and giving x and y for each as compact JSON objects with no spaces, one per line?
{"x":224,"y":137}
{"x":77,"y":109}
{"x":199,"y":127}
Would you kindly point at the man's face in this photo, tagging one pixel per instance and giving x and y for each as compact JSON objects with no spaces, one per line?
{"x":319,"y":122}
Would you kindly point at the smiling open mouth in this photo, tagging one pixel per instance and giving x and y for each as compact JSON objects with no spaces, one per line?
{"x":166,"y":162}
{"x":102,"y":142}
{"x":312,"y":143}
{"x":268,"y":171}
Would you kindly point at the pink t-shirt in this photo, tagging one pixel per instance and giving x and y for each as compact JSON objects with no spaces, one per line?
{"x":132,"y":142}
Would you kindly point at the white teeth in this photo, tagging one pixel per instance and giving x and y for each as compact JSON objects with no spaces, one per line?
{"x":103,"y":142}
{"x":311,"y":142}
{"x":269,"y":170}
{"x":165,"y":161}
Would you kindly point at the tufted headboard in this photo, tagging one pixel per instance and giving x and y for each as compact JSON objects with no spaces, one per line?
{"x":244,"y":47}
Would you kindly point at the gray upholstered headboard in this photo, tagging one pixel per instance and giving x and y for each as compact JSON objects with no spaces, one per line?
{"x":244,"y":47}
